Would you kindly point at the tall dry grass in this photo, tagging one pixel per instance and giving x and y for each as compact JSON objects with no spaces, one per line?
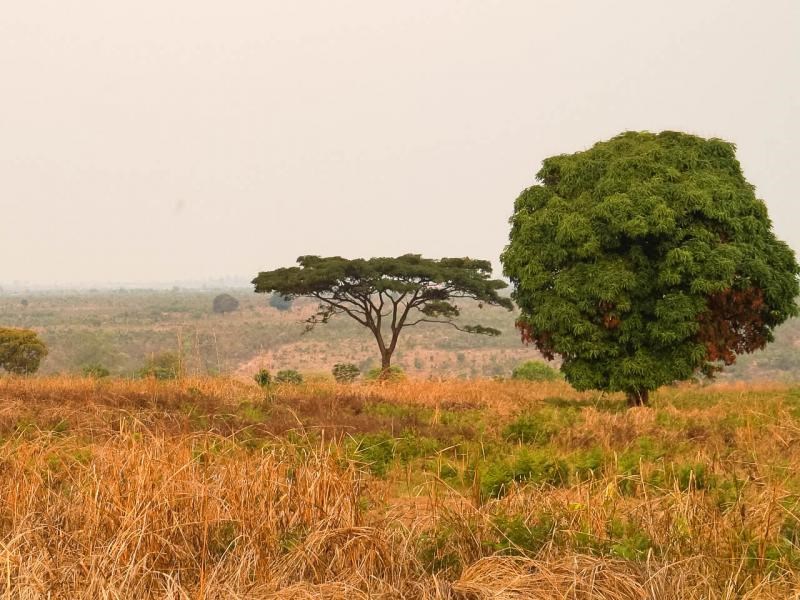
{"x":117,"y":489}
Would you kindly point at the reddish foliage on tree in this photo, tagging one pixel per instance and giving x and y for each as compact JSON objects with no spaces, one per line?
{"x":734,"y":323}
{"x":541,"y":339}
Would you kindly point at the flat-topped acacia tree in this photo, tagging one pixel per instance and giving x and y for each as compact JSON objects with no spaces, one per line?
{"x":646,"y":259}
{"x":387,"y":295}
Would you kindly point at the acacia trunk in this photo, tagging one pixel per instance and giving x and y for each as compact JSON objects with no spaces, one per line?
{"x":386,"y":363}
{"x":639,"y":397}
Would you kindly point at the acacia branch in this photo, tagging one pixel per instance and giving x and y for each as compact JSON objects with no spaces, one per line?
{"x":451,"y":323}
{"x":395,"y":304}
{"x":339,"y":306}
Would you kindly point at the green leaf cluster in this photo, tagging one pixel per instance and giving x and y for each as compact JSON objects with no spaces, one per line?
{"x":263,"y":378}
{"x":345,"y":372}
{"x":290,"y":376}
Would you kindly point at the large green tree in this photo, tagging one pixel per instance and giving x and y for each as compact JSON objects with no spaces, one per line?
{"x":21,"y":351}
{"x":387,"y":295}
{"x":646,"y":259}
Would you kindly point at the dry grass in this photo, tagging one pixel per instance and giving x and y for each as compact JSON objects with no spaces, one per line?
{"x":137,"y":489}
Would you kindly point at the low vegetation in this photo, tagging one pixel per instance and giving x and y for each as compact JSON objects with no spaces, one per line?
{"x":211,"y":488}
{"x":345,"y":372}
{"x":533,"y":370}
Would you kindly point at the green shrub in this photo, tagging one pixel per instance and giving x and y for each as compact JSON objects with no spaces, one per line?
{"x":263,"y":378}
{"x":728,"y":493}
{"x":538,"y":427}
{"x":410,"y":446}
{"x":252,"y":413}
{"x":393,"y":374}
{"x":448,"y":472}
{"x":642,"y":450}
{"x":519,"y":537}
{"x":288,"y":376}
{"x":164,"y":365}
{"x":587,"y":463}
{"x":538,"y":467}
{"x":628,"y":541}
{"x":345,"y":372}
{"x":95,"y":370}
{"x":693,"y":475}
{"x":376,"y":450}
{"x":438,"y":553}
{"x":535,"y":371}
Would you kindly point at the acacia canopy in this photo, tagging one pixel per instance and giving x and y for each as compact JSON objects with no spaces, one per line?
{"x":646,"y":259}
{"x":386,"y":295}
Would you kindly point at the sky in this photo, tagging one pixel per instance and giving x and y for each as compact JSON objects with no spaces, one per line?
{"x":186,"y":140}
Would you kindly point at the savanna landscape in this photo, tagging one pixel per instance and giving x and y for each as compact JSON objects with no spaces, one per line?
{"x":189,"y":444}
{"x":399,"y":301}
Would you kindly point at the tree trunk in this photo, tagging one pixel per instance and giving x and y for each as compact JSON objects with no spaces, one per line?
{"x":638,"y":397}
{"x":386,"y":364}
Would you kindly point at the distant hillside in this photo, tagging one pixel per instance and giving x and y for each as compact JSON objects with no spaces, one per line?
{"x":121,"y":329}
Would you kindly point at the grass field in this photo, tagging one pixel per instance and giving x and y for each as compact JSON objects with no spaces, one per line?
{"x":213,"y":488}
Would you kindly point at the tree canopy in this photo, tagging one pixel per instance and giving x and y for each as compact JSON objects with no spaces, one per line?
{"x":387,"y":295}
{"x":225,"y":303}
{"x":21,"y":351}
{"x":646,"y":259}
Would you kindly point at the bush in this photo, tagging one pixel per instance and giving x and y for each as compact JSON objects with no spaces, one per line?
{"x":438,"y":552}
{"x":586,"y":464}
{"x":535,"y":371}
{"x":394,"y":374}
{"x":164,"y":365}
{"x":521,"y":538}
{"x":263,"y":378}
{"x":540,"y":426}
{"x":375,"y":450}
{"x":95,"y":370}
{"x":345,"y":372}
{"x":288,"y":376}
{"x":526,"y":467}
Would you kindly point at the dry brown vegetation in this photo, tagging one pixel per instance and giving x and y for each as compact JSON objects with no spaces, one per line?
{"x":212,"y":488}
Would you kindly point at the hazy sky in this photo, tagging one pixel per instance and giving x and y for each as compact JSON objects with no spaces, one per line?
{"x":157,"y":140}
